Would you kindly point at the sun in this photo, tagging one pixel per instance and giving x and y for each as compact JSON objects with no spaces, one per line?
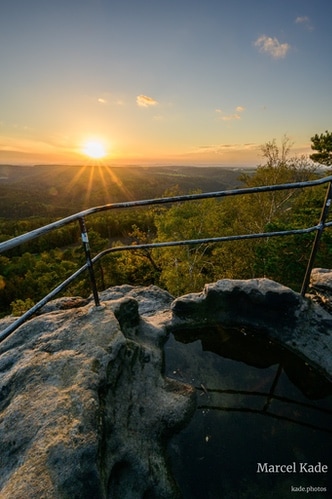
{"x":94,"y":149}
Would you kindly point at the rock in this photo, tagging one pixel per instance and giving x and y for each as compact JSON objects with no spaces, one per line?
{"x":258,"y":302}
{"x":265,"y":308}
{"x":321,"y":287}
{"x":64,"y":303}
{"x":85,"y":409}
{"x":150,"y":299}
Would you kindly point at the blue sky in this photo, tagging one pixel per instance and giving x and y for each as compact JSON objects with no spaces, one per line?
{"x":155,"y":82}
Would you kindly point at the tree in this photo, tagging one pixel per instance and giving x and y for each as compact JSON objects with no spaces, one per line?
{"x":19,"y":307}
{"x":135,"y":267}
{"x":323,"y":144}
{"x":274,"y":155}
{"x":279,"y":168}
{"x":187,"y":268}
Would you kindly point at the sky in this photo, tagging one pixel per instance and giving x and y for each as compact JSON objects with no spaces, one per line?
{"x":155,"y":82}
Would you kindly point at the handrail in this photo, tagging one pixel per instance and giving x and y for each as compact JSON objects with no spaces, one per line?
{"x":24,"y":238}
{"x":15,"y":241}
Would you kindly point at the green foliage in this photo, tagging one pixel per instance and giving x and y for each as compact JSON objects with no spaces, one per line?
{"x":19,"y":307}
{"x":32,"y":276}
{"x":29,"y":272}
{"x":283,"y":259}
{"x":187,"y":267}
{"x":323,"y":144}
{"x":58,"y":191}
{"x":127,"y":267}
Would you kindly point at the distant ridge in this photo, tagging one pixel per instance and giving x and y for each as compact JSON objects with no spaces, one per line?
{"x":58,"y":190}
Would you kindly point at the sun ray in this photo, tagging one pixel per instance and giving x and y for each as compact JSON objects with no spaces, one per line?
{"x":101,"y":172}
{"x":115,"y":179}
{"x":76,"y":178}
{"x":89,"y":187}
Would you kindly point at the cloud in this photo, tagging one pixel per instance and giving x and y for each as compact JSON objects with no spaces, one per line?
{"x":230,"y":117}
{"x":145,"y":101}
{"x":25,"y":145}
{"x":110,"y":99}
{"x":305,"y":21}
{"x":221,"y":149}
{"x":272,"y":46}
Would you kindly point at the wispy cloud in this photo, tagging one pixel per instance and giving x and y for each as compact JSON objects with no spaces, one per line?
{"x":227,"y":148}
{"x":304,"y":21}
{"x":232,"y":116}
{"x":272,"y":46}
{"x":24,"y":144}
{"x":145,"y":101}
{"x":109,"y":99}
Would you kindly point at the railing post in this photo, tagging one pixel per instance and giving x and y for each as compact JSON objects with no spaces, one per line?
{"x":319,"y":233}
{"x":86,"y":246}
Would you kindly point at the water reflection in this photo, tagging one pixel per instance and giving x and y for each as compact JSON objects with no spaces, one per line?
{"x":256,"y":403}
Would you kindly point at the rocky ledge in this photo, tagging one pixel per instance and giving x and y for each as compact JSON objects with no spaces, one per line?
{"x":264,"y":308}
{"x":85,"y":407}
{"x":85,"y":410}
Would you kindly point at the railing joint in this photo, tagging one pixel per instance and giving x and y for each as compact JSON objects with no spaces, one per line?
{"x":89,"y":264}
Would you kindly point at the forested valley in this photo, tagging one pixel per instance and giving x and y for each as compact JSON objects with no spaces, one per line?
{"x":34,"y":196}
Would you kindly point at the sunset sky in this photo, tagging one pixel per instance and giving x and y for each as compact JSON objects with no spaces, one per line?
{"x":162,"y":82}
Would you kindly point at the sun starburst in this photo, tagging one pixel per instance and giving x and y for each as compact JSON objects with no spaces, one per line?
{"x":94,"y":149}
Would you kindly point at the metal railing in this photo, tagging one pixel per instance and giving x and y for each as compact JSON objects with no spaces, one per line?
{"x":80,"y":217}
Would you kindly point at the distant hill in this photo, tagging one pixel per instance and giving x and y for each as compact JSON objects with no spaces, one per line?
{"x":57,"y":190}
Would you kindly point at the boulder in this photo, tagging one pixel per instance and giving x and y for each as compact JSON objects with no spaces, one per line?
{"x":85,"y":410}
{"x":265,"y":308}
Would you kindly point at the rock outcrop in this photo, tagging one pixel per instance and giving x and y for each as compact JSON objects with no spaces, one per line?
{"x":85,"y":407}
{"x":321,"y":287}
{"x":266,"y":308}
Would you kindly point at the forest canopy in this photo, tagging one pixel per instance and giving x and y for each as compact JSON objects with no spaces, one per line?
{"x":29,"y":272}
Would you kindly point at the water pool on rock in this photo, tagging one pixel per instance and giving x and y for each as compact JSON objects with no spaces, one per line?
{"x":256,"y":403}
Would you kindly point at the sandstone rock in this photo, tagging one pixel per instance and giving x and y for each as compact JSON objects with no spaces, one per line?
{"x":321,"y":287}
{"x":85,"y":409}
{"x":266,"y":308}
{"x":64,"y":303}
{"x":151,"y":299}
